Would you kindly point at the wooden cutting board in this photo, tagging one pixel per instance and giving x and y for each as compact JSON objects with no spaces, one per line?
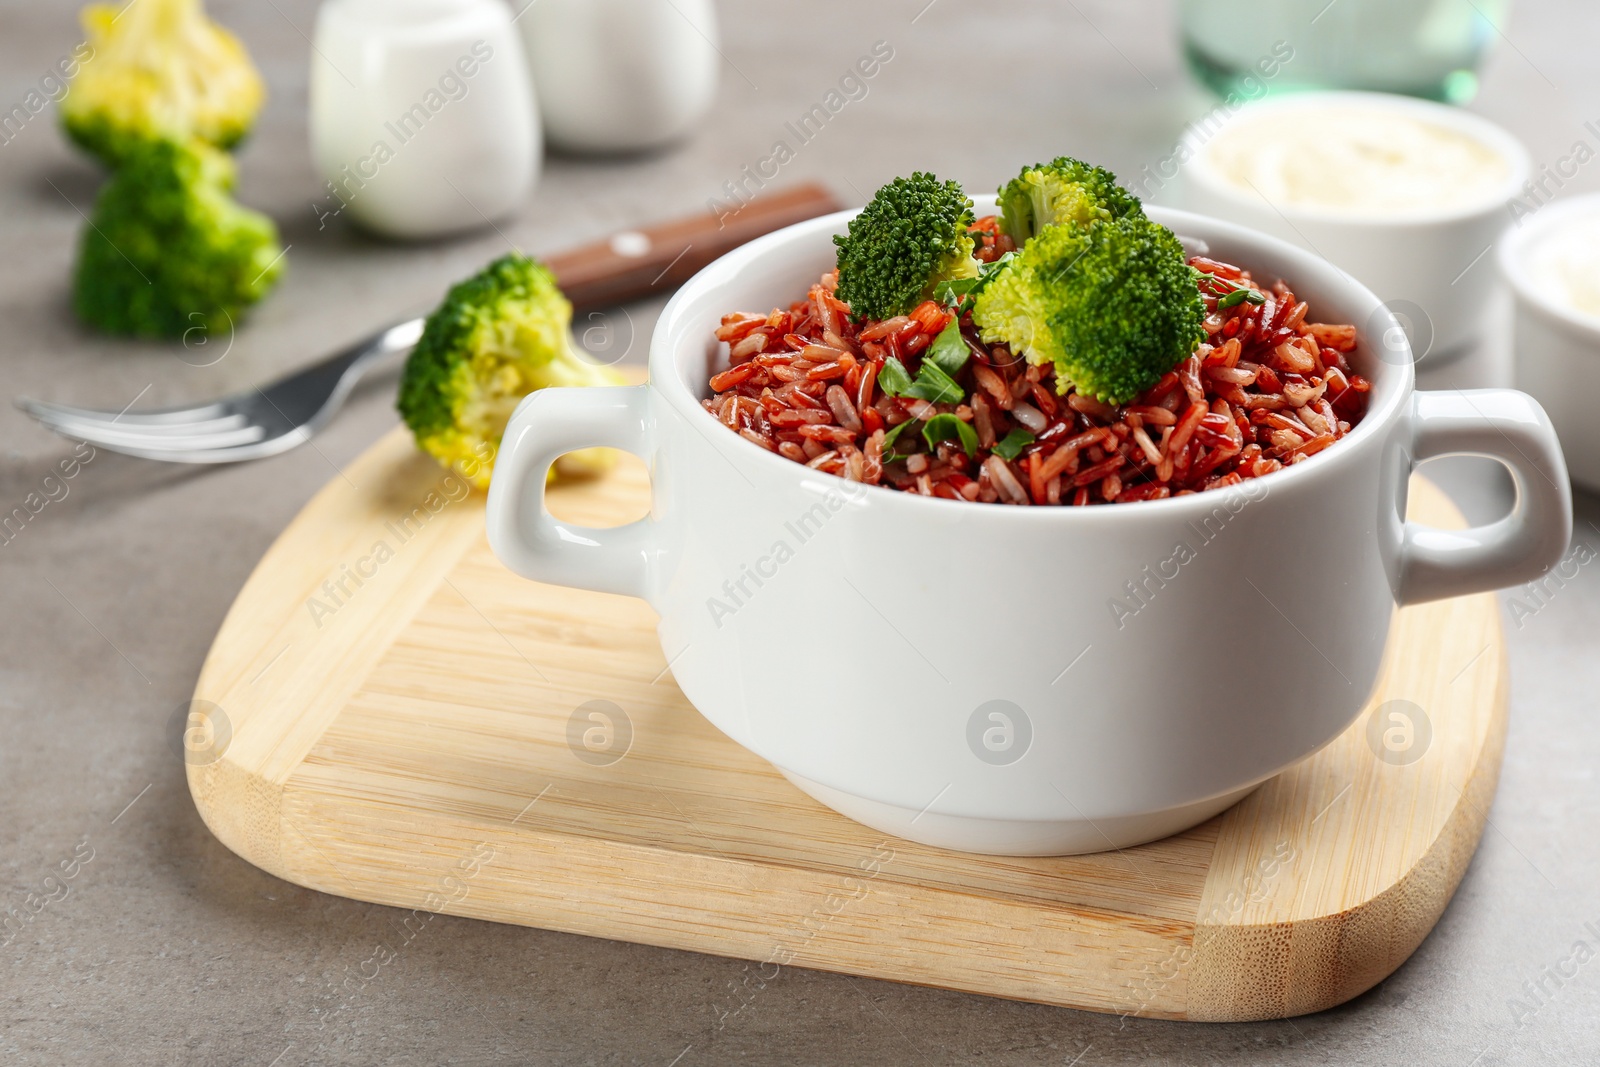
{"x":390,"y":715}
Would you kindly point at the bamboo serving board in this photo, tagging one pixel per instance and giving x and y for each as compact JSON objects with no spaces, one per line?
{"x":390,"y":715}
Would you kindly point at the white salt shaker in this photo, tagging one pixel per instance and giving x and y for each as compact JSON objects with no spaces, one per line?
{"x":621,"y":75}
{"x":423,"y":117}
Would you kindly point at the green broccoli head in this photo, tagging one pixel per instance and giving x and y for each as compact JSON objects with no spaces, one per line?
{"x":1061,"y":192}
{"x":1113,"y":305}
{"x":168,"y":250}
{"x":497,"y":337}
{"x":912,"y":236}
{"x":159,"y":70}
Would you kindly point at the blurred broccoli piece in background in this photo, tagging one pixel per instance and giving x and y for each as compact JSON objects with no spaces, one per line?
{"x":1062,"y":192}
{"x":160,"y":70}
{"x":1113,"y":305}
{"x":497,"y":337}
{"x":908,"y":239}
{"x":168,"y":249}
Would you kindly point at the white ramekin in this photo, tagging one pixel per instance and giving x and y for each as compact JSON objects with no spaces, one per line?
{"x":960,"y":674}
{"x":1431,"y":268}
{"x":1557,"y":349}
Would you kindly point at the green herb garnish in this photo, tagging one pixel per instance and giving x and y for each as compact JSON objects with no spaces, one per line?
{"x":935,"y":386}
{"x":959,"y":292}
{"x":948,"y":427}
{"x":935,"y":382}
{"x":932,"y":384}
{"x":948,"y":350}
{"x":1236,"y":292}
{"x":889,"y":454}
{"x":950,"y":293}
{"x":893,"y":378}
{"x":1012,"y":445}
{"x":1239,"y":296}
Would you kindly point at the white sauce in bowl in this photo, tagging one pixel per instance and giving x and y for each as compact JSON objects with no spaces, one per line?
{"x":1366,"y":162}
{"x":1563,"y":263}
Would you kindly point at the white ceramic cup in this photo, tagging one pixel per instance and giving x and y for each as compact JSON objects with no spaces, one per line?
{"x":1432,"y":268}
{"x":423,"y":117}
{"x":955,"y":673}
{"x":1557,"y":348}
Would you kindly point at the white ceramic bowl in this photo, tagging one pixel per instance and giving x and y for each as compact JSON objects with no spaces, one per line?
{"x":954,"y":673}
{"x":1431,"y":268}
{"x":1557,"y":348}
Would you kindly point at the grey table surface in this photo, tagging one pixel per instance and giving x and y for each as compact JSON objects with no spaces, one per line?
{"x":168,"y":948}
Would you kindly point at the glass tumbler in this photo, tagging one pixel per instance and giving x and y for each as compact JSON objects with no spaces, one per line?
{"x":1427,"y":48}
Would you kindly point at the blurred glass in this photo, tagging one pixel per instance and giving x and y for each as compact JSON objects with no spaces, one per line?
{"x":1427,"y":48}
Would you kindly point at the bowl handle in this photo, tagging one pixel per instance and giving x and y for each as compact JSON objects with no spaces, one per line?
{"x":546,"y":425}
{"x":1511,"y":428}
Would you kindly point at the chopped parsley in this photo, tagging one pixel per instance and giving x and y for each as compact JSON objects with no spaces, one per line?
{"x":959,"y":292}
{"x":893,"y":379}
{"x":1239,"y":296}
{"x":948,"y":350}
{"x":1012,"y":445}
{"x":934,"y":385}
{"x":934,"y":382}
{"x":948,"y":427}
{"x":889,"y":454}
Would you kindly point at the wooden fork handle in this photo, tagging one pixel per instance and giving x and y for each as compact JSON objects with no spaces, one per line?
{"x":657,"y":259}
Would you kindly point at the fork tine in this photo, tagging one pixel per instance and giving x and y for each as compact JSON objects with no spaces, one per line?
{"x":118,"y":438}
{"x":252,"y":424}
{"x":41,"y":409}
{"x":270,"y":446}
{"x":152,"y":431}
{"x":64,"y":416}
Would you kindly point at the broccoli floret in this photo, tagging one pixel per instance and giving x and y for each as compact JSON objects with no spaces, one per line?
{"x":160,"y":70}
{"x":168,"y":249}
{"x":1060,"y":192}
{"x":912,"y":236}
{"x":497,"y":337}
{"x":1113,"y":305}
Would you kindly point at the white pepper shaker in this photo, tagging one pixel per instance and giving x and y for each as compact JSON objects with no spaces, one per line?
{"x":621,"y":75}
{"x":423,"y":117}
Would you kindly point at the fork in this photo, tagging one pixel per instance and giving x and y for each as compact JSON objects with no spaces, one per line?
{"x":253,"y":425}
{"x":275,"y":418}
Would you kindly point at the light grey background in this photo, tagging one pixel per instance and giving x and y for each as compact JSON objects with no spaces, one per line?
{"x":170,"y":949}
